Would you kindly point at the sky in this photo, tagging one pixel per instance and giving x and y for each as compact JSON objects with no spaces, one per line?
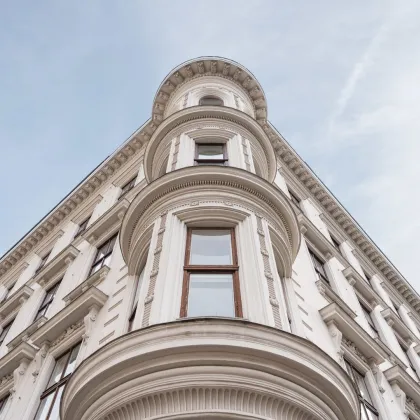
{"x":341,"y":80}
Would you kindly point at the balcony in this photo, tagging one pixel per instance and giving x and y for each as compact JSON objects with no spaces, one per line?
{"x":198,"y":366}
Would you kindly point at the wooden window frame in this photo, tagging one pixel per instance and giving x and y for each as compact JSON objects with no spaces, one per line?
{"x":63,"y":380}
{"x":48,"y":300}
{"x":128,"y":186}
{"x":211,"y":269}
{"x":223,"y":161}
{"x":109,"y":252}
{"x":82,"y":227}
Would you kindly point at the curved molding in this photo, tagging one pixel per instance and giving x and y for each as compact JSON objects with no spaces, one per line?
{"x":209,"y":365}
{"x":209,"y":184}
{"x":208,"y":114}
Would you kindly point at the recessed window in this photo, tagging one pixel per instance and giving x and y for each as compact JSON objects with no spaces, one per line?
{"x":3,"y":402}
{"x":103,"y":255}
{"x":5,"y":331}
{"x":318,"y":266}
{"x":127,"y":187}
{"x":368,"y":315}
{"x":82,"y":227}
{"x":335,"y":243}
{"x":211,"y":101}
{"x":210,"y":154}
{"x":135,"y":301}
{"x":294,"y":198}
{"x":47,"y":301}
{"x":368,"y":411}
{"x":211,"y":284}
{"x":49,"y":407}
{"x":42,"y":263}
{"x":8,"y":292}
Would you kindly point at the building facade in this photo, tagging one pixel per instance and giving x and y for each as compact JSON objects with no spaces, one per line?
{"x":204,"y":272}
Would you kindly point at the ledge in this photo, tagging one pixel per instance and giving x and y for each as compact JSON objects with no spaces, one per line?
{"x":15,"y":301}
{"x":92,"y":280}
{"x":26,"y":333}
{"x":325,"y":289}
{"x":351,"y":330}
{"x":107,"y":224}
{"x":160,"y":362}
{"x":12,"y":360}
{"x":56,"y":266}
{"x":398,"y":376}
{"x":68,"y":316}
{"x":398,"y":326}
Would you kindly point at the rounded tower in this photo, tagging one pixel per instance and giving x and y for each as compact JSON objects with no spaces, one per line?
{"x":209,"y":241}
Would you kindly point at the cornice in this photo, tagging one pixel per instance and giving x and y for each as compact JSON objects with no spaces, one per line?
{"x":12,"y":360}
{"x":398,"y":376}
{"x":399,"y":327}
{"x":15,"y":301}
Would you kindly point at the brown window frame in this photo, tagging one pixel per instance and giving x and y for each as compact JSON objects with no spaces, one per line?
{"x":109,"y":252}
{"x":223,"y":161}
{"x":63,"y":380}
{"x":220,"y":269}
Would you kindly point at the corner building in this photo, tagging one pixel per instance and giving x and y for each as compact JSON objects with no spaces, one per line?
{"x":204,"y":272}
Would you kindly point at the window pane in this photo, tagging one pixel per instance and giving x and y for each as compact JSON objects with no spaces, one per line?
{"x":44,"y":407}
{"x":371,"y":414}
{"x":210,"y":151}
{"x":60,"y":364}
{"x":72,"y":362}
{"x":211,"y":295}
{"x":55,"y":412}
{"x":361,"y":385}
{"x":211,"y":247}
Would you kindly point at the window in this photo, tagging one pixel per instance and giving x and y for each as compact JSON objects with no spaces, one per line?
{"x":368,"y":411}
{"x":47,"y":301}
{"x":5,"y":331}
{"x":3,"y":403}
{"x":82,"y":227}
{"x":335,"y":243}
{"x":103,"y":255}
{"x":8,"y":290}
{"x":396,"y":308}
{"x":127,"y":187}
{"x":368,"y":315}
{"x":135,"y":301}
{"x":49,"y":407}
{"x":368,"y":278}
{"x":211,"y":283}
{"x":211,"y":100}
{"x":294,"y":198}
{"x":319,"y":267}
{"x":42,"y":263}
{"x":210,"y":154}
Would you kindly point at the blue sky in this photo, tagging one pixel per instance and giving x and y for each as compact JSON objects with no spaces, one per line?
{"x":341,"y":79}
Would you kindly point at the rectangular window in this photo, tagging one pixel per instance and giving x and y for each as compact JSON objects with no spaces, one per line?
{"x":8,"y":292}
{"x":319,"y":267}
{"x":127,"y":187}
{"x":368,"y":411}
{"x":294,"y":198}
{"x":42,"y":263}
{"x":3,"y":403}
{"x":368,"y":315}
{"x":210,"y":154}
{"x":82,"y":227}
{"x":211,"y":283}
{"x":135,"y":301}
{"x":50,"y":399}
{"x":47,"y":301}
{"x":335,"y":243}
{"x":103,"y":255}
{"x":5,"y":331}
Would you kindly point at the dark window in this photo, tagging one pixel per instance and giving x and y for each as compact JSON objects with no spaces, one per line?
{"x":396,"y":308}
{"x":211,"y":283}
{"x":8,"y":292}
{"x":319,"y":267}
{"x":42,"y":263}
{"x":82,"y":227}
{"x":49,"y":407}
{"x":368,"y":278}
{"x":103,"y":255}
{"x":3,"y":403}
{"x":368,"y":315}
{"x":127,"y":187}
{"x":135,"y":301}
{"x":210,"y":154}
{"x":47,"y":301}
{"x":335,"y":243}
{"x":368,"y":411}
{"x":294,"y":198}
{"x":5,"y":331}
{"x":211,"y":100}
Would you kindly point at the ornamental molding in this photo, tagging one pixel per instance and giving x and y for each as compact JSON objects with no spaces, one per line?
{"x":204,"y":351}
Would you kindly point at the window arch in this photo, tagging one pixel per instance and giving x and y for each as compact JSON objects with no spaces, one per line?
{"x":211,"y":100}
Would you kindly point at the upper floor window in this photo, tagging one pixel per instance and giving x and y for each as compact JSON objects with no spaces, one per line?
{"x":318,"y":266}
{"x":42,"y":263}
{"x":127,"y":187}
{"x":210,"y":154}
{"x":5,"y":330}
{"x":8,"y":292}
{"x":294,"y":198}
{"x":211,"y":100}
{"x":135,"y":301}
{"x":211,"y":283}
{"x":49,"y":407}
{"x":335,"y":243}
{"x":368,"y":315}
{"x":3,"y":402}
{"x":368,"y":411}
{"x":82,"y":227}
{"x":47,"y":301}
{"x":103,"y":255}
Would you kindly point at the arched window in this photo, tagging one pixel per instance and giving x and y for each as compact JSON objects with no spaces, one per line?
{"x":211,"y":100}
